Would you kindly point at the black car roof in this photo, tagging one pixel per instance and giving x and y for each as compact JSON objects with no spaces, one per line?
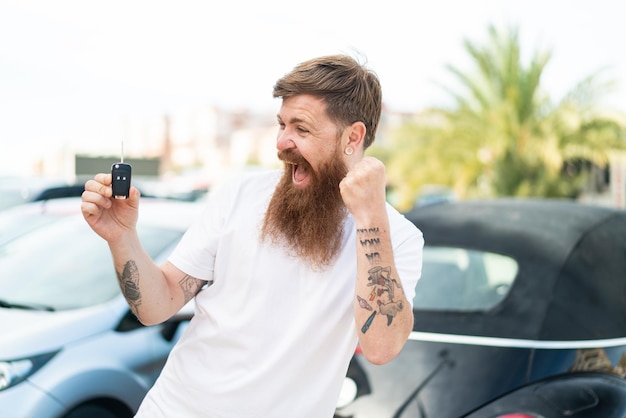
{"x":571,"y":282}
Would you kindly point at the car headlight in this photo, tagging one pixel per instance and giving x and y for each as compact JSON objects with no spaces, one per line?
{"x":13,"y":372}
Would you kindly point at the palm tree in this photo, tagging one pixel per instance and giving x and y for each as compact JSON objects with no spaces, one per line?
{"x":504,"y":136}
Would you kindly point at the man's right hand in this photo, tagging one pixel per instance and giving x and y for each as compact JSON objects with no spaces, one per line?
{"x":110,"y":218}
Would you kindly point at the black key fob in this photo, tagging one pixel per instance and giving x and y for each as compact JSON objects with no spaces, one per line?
{"x":120,"y":175}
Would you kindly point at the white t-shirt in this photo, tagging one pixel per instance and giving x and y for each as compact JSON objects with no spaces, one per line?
{"x":270,"y":337}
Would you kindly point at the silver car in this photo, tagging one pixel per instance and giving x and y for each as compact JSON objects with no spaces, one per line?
{"x":69,"y":345}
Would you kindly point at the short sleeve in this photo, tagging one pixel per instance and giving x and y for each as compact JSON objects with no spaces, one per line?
{"x":195,"y":253}
{"x":408,"y":247}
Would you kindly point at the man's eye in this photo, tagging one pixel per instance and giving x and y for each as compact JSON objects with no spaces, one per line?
{"x":302,"y":130}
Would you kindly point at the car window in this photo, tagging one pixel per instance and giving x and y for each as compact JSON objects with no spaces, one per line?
{"x":65,"y":265}
{"x":459,"y":279}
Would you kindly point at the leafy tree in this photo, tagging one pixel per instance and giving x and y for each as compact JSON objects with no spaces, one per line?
{"x":504,"y":136}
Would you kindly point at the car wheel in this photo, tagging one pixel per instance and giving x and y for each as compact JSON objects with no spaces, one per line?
{"x":93,"y":411}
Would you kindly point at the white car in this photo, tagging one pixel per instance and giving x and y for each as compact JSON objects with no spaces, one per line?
{"x":69,"y":345}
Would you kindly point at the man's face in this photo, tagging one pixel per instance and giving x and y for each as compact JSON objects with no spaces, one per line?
{"x":306,"y":212}
{"x":306,"y":135}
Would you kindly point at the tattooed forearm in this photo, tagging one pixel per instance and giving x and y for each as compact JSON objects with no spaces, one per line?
{"x":385,"y":297}
{"x":190,"y":286}
{"x":129,"y":283}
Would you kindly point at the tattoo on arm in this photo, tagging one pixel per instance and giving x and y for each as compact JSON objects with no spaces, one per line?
{"x":129,"y":284}
{"x":379,"y":279}
{"x":383,"y":296}
{"x":370,"y":242}
{"x":190,"y":286}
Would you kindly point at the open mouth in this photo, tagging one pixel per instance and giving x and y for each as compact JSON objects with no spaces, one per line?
{"x":299,"y":174}
{"x":300,"y":168}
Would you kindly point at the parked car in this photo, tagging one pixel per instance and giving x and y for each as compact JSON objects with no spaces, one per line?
{"x":69,"y":345}
{"x":17,"y":190}
{"x":520,"y":313}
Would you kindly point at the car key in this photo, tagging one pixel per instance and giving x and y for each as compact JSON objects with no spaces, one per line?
{"x":120,"y":178}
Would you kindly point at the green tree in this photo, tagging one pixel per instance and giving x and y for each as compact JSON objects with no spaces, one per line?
{"x":504,"y":136}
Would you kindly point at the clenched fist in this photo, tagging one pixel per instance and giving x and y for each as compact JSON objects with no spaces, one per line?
{"x":363,"y":189}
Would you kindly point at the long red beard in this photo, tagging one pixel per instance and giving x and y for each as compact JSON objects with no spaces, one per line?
{"x":308,"y":221}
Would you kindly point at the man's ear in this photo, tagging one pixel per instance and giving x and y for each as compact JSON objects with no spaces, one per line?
{"x":356,"y":135}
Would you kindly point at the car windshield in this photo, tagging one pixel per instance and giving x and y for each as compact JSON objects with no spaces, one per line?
{"x":459,"y":279}
{"x":65,"y":265}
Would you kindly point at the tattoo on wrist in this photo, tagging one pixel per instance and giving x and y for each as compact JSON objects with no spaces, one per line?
{"x":129,"y":284}
{"x":369,"y":239}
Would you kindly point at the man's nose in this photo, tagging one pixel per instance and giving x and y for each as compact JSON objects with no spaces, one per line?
{"x":284,"y":141}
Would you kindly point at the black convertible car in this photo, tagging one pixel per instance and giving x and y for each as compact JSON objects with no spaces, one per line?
{"x":520,"y":313}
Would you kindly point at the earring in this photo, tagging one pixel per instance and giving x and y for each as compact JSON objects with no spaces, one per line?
{"x":349,"y":151}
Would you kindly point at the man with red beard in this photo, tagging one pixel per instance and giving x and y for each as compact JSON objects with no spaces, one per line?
{"x":289,"y":270}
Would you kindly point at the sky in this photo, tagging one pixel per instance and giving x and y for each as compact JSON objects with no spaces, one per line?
{"x":66,"y":65}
